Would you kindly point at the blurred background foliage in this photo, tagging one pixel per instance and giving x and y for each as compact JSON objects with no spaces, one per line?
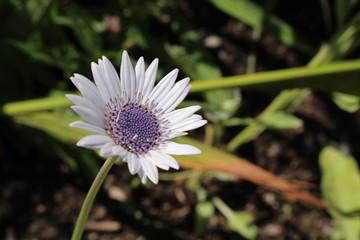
{"x":44,"y":42}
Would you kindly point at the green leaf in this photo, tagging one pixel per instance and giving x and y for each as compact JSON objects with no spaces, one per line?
{"x":252,"y":14}
{"x":203,"y":212}
{"x":33,"y":49}
{"x":36,"y":9}
{"x":341,"y":44}
{"x":340,"y":186}
{"x":281,"y":120}
{"x":85,"y":28}
{"x":284,"y":101}
{"x":347,"y":102}
{"x":240,"y":222}
{"x":342,"y":10}
{"x":340,"y":180}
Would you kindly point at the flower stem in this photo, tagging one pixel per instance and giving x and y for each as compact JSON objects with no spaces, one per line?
{"x":89,"y":200}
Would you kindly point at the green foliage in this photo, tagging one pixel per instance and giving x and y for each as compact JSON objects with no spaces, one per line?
{"x":203,"y":212}
{"x":347,"y":102}
{"x":340,"y":186}
{"x":281,"y":120}
{"x":342,"y":10}
{"x":259,"y":18}
{"x":239,"y":221}
{"x":276,"y":120}
{"x":342,"y":43}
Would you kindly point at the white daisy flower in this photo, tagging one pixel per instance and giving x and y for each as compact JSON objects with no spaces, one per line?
{"x":133,"y":119}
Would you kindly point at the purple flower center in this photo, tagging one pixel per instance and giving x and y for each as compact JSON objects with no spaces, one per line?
{"x":132,"y":126}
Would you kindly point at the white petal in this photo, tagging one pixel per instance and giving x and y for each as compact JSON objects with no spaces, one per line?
{"x":100,"y":81}
{"x":163,"y":86}
{"x":88,"y":127}
{"x":165,"y":158}
{"x":154,"y":159}
{"x":111,"y":77}
{"x":179,"y":98}
{"x":180,"y":114}
{"x":175,"y":134}
{"x":106,"y":150}
{"x":149,"y":169}
{"x":140,"y":76}
{"x":89,"y":115}
{"x":77,"y":100}
{"x":119,"y":151}
{"x":142,"y":175}
{"x":181,"y":149}
{"x":150,"y":77}
{"x":133,"y":164}
{"x":93,"y":141}
{"x":88,"y":90}
{"x":186,"y":122}
{"x":170,"y":97}
{"x":127,"y":76}
{"x":191,"y":126}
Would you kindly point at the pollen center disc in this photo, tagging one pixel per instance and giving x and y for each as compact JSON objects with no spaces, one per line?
{"x":132,"y":126}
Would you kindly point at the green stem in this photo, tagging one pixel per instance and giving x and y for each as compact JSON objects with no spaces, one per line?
{"x":89,"y":200}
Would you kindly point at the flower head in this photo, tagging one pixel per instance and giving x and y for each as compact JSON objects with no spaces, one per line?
{"x":133,"y":119}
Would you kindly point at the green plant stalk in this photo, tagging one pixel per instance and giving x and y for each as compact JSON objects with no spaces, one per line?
{"x":89,"y":200}
{"x":252,"y":57}
{"x":35,"y":105}
{"x":314,"y":76}
{"x":297,"y":77}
